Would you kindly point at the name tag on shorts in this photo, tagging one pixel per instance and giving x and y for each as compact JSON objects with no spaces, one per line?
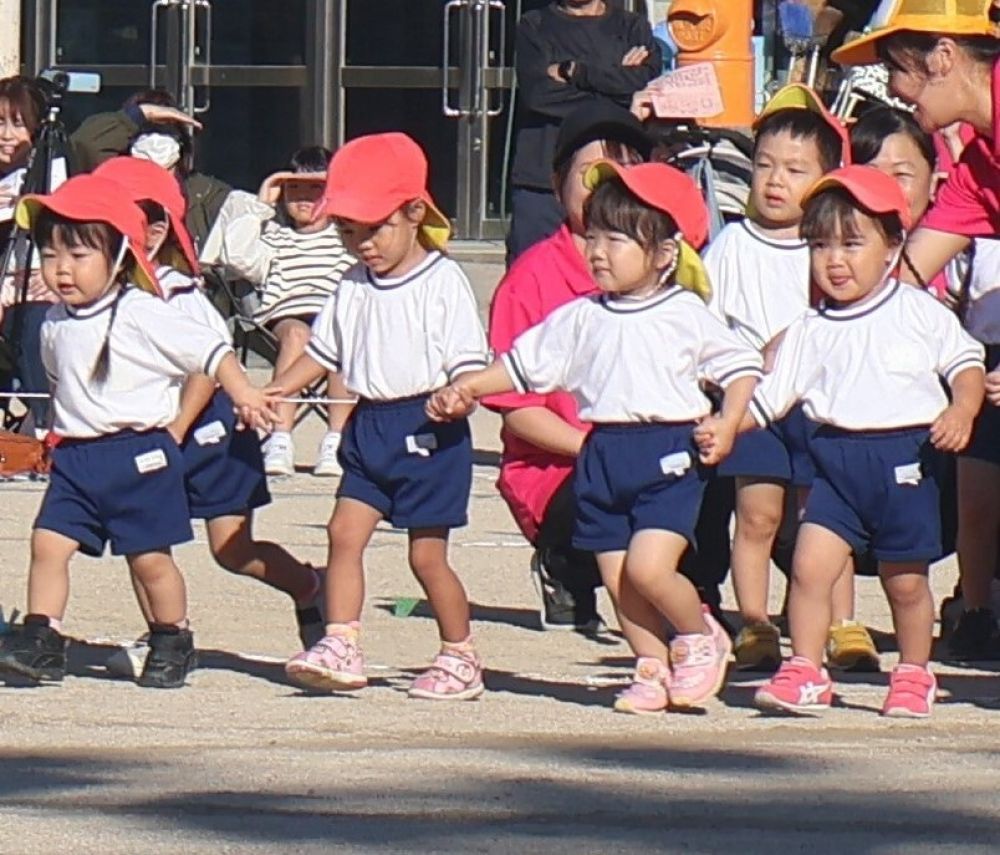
{"x":909,"y":474}
{"x":421,"y":443}
{"x":151,"y":461}
{"x":675,"y":464}
{"x":210,"y":434}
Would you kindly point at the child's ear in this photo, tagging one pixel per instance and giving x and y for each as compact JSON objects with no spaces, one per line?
{"x":665,"y":254}
{"x":156,"y":233}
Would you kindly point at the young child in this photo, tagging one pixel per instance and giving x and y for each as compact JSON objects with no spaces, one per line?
{"x":402,"y":323}
{"x":112,"y":352}
{"x":866,"y":365}
{"x":224,"y":467}
{"x":634,"y":357}
{"x":296,"y":261}
{"x":759,"y":270}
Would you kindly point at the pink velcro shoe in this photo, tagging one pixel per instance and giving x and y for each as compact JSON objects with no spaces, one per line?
{"x":798,"y":687}
{"x":456,"y":674}
{"x":698,"y":665}
{"x":648,"y":693}
{"x":334,"y":663}
{"x":912,"y":691}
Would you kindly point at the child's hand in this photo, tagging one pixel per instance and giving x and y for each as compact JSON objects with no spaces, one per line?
{"x":270,"y":188}
{"x":451,"y":402}
{"x":255,"y":407}
{"x":714,"y":437}
{"x":993,"y":388}
{"x":952,"y":429}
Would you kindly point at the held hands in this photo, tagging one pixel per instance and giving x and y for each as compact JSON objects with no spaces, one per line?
{"x":952,"y":429}
{"x":450,"y":403}
{"x":255,"y":407}
{"x":714,"y":437}
{"x":993,"y":388}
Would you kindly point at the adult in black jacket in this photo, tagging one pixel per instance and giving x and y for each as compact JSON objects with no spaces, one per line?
{"x":569,"y":53}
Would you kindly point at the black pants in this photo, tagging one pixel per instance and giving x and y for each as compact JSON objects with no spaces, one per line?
{"x":534,"y":215}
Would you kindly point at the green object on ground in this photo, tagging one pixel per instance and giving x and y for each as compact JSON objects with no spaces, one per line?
{"x":404,"y":606}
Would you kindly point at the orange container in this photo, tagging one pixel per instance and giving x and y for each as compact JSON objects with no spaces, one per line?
{"x":719,"y":32}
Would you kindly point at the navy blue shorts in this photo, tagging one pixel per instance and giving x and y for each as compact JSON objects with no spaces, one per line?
{"x":634,"y":477}
{"x":985,"y":442}
{"x":878,"y":491}
{"x":126,"y":488}
{"x":779,"y":452}
{"x":224,"y":467}
{"x":415,"y":472}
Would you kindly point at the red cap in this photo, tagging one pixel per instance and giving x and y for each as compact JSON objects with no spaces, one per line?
{"x":662,"y":187}
{"x":873,"y":190}
{"x":373,"y":176}
{"x":92,"y":199}
{"x":144,"y":180}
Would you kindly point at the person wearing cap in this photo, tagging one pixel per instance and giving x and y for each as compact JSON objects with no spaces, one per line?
{"x":635,"y":357}
{"x":402,"y":323}
{"x":945,"y":60}
{"x":867,"y":365}
{"x":568,"y":54}
{"x":295,"y":261}
{"x":759,"y":269}
{"x":112,"y":352}
{"x":224,"y":468}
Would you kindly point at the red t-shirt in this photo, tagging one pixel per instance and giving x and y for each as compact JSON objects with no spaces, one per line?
{"x":969,"y":202}
{"x":544,"y":278}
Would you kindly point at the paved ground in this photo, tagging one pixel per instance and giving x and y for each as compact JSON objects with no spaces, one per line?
{"x":242,"y":762}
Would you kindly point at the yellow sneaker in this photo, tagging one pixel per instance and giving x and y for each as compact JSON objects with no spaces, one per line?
{"x":849,"y":647}
{"x":758,"y":647}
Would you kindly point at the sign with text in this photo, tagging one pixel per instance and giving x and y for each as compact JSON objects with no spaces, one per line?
{"x":691,"y":92}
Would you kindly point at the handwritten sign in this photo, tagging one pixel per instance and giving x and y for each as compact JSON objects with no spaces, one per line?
{"x":691,"y":92}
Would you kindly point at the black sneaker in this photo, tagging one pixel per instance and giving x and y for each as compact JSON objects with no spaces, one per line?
{"x":562,"y":608}
{"x":312,"y":627}
{"x":975,"y":637}
{"x":171,"y":658}
{"x":34,"y":650}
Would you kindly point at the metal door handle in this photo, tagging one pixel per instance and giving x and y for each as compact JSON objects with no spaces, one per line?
{"x":206,"y":54}
{"x":502,"y":9}
{"x":446,"y":108}
{"x":154,"y":14}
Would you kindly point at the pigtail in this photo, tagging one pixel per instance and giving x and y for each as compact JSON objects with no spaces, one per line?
{"x":905,"y":257}
{"x":119,"y":277}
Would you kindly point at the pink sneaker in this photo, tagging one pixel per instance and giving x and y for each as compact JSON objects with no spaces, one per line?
{"x":456,"y":674}
{"x":648,"y":693}
{"x":912,"y":691}
{"x":334,"y":663}
{"x":798,"y":687}
{"x":698,"y":664}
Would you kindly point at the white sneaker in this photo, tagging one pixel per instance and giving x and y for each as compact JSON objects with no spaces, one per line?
{"x":279,"y":456}
{"x":129,"y":659}
{"x":327,"y":464}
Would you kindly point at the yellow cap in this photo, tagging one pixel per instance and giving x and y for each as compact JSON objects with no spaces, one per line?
{"x":950,"y":17}
{"x":691,"y":273}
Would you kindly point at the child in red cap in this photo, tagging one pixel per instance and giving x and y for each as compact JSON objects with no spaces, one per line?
{"x":866,"y":366}
{"x":402,"y":324}
{"x":112,"y":353}
{"x":224,"y":467}
{"x":635,"y":356}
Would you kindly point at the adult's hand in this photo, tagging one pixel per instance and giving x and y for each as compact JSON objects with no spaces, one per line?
{"x":270,"y":188}
{"x":635,"y":56}
{"x":158,"y":113}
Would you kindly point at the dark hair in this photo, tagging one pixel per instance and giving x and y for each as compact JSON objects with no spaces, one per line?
{"x":613,"y":207}
{"x":154,"y":211}
{"x":872,"y":129}
{"x":49,"y":226}
{"x":835,"y":210}
{"x":907,"y":50}
{"x":803,"y":124}
{"x":25,"y":99}
{"x":620,"y":153}
{"x":161,"y":97}
{"x":310,"y":158}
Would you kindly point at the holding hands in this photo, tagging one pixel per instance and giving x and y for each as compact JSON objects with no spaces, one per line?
{"x":451,"y":402}
{"x":715,"y":437}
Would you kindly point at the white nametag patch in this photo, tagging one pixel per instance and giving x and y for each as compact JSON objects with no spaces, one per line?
{"x":210,"y":434}
{"x":909,"y":474}
{"x":422,"y":444}
{"x":151,"y":461}
{"x":675,"y":464}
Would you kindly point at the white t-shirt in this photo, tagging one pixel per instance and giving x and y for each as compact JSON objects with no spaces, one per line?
{"x":631,"y":360}
{"x":400,"y":337}
{"x":152,"y":346}
{"x":873,"y":366}
{"x":184,"y":293}
{"x":982,"y":317}
{"x":759,"y":284}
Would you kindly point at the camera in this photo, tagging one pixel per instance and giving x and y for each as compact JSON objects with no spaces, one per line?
{"x":55,"y":83}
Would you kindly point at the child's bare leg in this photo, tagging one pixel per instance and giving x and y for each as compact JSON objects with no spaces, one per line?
{"x":643,"y":626}
{"x":231,"y":541}
{"x":978,"y":528}
{"x":293,"y":336}
{"x":164,"y":586}
{"x":350,"y":528}
{"x":820,"y":556}
{"x":651,"y":566}
{"x":337,"y":413}
{"x":759,"y":508}
{"x":912,"y":607}
{"x":48,"y":576}
{"x":842,"y":601}
{"x":141,"y":597}
{"x":444,"y":590}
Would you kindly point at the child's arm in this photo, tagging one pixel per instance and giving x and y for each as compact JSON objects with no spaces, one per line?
{"x":253,"y":405}
{"x":952,"y":429}
{"x":195,"y":395}
{"x":545,"y":430}
{"x":303,"y":372}
{"x":457,"y":400}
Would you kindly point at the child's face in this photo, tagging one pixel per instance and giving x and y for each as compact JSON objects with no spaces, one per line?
{"x":900,"y":158}
{"x":382,"y":247}
{"x":299,"y":198}
{"x":784,"y":168}
{"x":847,"y":267}
{"x":620,"y":265}
{"x":156,"y":234}
{"x":77,"y":274}
{"x":15,"y":138}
